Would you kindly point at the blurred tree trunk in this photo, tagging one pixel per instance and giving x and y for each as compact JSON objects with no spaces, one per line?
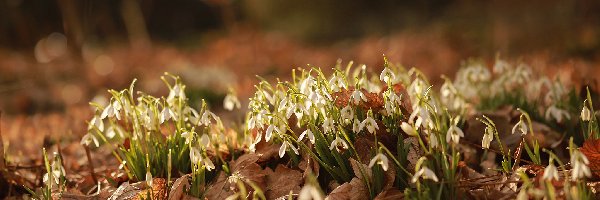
{"x":72,"y":21}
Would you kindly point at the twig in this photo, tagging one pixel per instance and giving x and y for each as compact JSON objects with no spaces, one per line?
{"x":89,"y":157}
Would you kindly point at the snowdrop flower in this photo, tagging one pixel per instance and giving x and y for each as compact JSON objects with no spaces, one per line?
{"x":586,"y":114}
{"x":308,"y":133}
{"x":380,"y":159}
{"x":328,"y":125}
{"x":356,"y":125}
{"x":112,"y":131}
{"x":337,"y":83}
{"x":284,"y":147}
{"x":56,"y":171}
{"x":204,"y":140}
{"x":269,"y":132}
{"x":96,"y":122}
{"x":554,"y":112}
{"x":177,"y":91}
{"x":166,"y":114}
{"x":424,"y":173}
{"x":189,"y":136}
{"x":230,"y":102}
{"x":370,"y":123}
{"x":149,"y":178}
{"x":195,"y":155}
{"x":357,"y":96}
{"x":338,"y":144}
{"x":208,"y":164}
{"x":408,"y":129}
{"x":387,"y":76}
{"x":309,"y":192}
{"x":88,"y":138}
{"x":433,"y":141}
{"x":297,"y":109}
{"x":206,"y":117}
{"x":454,"y":133}
{"x":550,"y":172}
{"x":520,"y":127}
{"x":347,"y":114}
{"x":111,"y":110}
{"x":488,"y":136}
{"x":580,"y":168}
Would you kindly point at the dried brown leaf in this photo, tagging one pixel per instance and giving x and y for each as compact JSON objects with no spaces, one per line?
{"x":354,"y":190}
{"x":179,"y":186}
{"x":244,"y":168}
{"x":591,"y":150}
{"x":281,"y":181}
{"x":390,"y":194}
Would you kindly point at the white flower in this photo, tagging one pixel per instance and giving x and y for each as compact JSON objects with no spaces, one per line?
{"x":387,"y":76}
{"x":347,"y":114}
{"x":308,"y":133}
{"x":269,"y":132}
{"x":370,"y":123}
{"x":586,"y":114}
{"x":337,"y":143}
{"x":195,"y":155}
{"x":381,"y":160}
{"x":550,"y":172}
{"x":148,"y":178}
{"x":557,"y":113}
{"x":356,"y":96}
{"x":230,"y":102}
{"x":89,"y":138}
{"x":56,"y":171}
{"x":188,"y":135}
{"x":521,"y":127}
{"x":408,"y":129}
{"x":96,"y":122}
{"x":433,"y":141}
{"x":206,"y":117}
{"x":580,"y":168}
{"x":112,"y":131}
{"x":166,"y":114}
{"x":424,"y":173}
{"x":328,"y":125}
{"x":356,"y":126}
{"x":204,"y":140}
{"x":306,"y":84}
{"x":488,"y":136}
{"x":454,"y":134}
{"x":176,"y":91}
{"x":337,"y":83}
{"x":284,"y":147}
{"x":208,"y":164}
{"x":297,"y":109}
{"x":309,"y":192}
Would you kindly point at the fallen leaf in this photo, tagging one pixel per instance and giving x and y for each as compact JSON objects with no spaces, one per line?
{"x":283,"y":180}
{"x":353,"y":190}
{"x":244,"y":168}
{"x":390,"y":194}
{"x":357,"y":167}
{"x":309,"y":165}
{"x":179,"y":186}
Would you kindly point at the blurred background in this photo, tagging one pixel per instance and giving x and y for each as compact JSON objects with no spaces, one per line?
{"x":57,"y":55}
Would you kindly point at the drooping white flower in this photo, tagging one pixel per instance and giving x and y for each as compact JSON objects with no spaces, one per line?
{"x":206,"y":117}
{"x":195,"y":155}
{"x":96,"y":122}
{"x":306,"y":84}
{"x":433,"y":140}
{"x":328,"y":125}
{"x":284,"y":147}
{"x":586,"y":114}
{"x":56,"y":171}
{"x":338,"y":144}
{"x":380,"y":159}
{"x":370,"y":123}
{"x":149,"y":178}
{"x":520,"y":127}
{"x":204,"y":140}
{"x":309,"y":192}
{"x":269,"y":132}
{"x":309,"y":133}
{"x":230,"y":102}
{"x":347,"y":114}
{"x":337,"y":83}
{"x":166,"y":114}
{"x":454,"y":134}
{"x":357,"y":96}
{"x":189,"y":136}
{"x":88,"y":138}
{"x":387,"y":76}
{"x":208,"y":164}
{"x":488,"y":136}
{"x":297,"y":109}
{"x":580,"y":163}
{"x":356,"y":125}
{"x":408,"y":129}
{"x":550,"y":172}
{"x":424,"y":173}
{"x":556,"y":113}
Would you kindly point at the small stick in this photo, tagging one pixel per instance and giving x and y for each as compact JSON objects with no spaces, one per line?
{"x":89,"y":157}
